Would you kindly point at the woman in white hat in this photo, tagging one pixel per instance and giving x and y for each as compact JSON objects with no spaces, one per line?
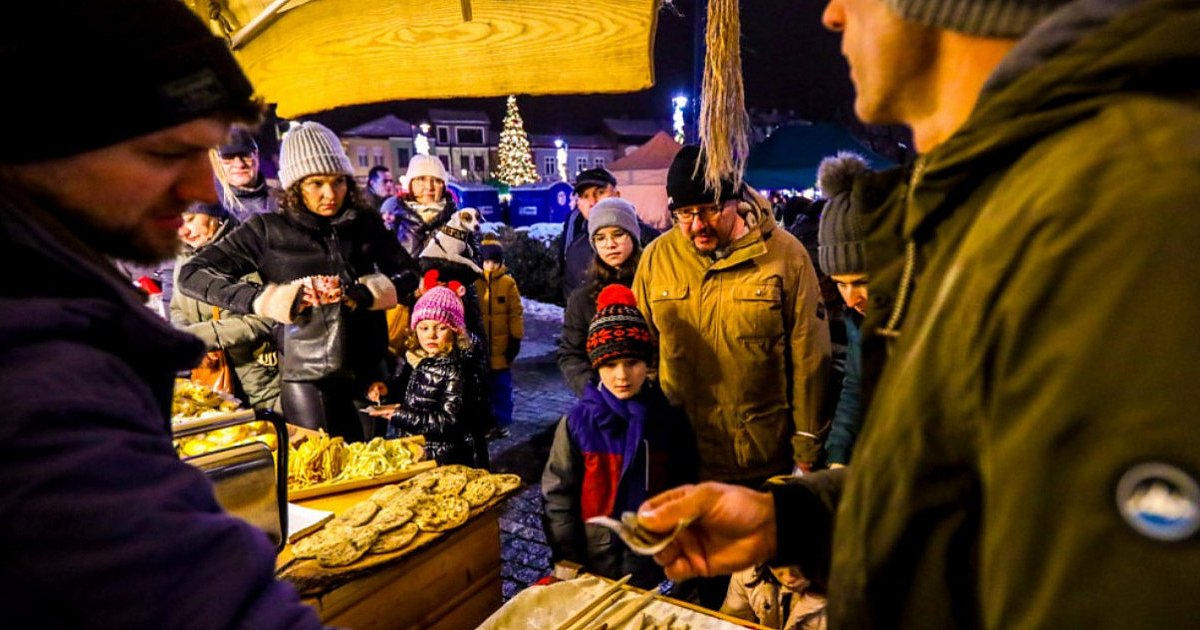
{"x":425,"y":207}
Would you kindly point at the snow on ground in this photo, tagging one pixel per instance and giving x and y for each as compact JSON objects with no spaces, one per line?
{"x":542,"y":310}
{"x":544,"y":232}
{"x":538,"y":340}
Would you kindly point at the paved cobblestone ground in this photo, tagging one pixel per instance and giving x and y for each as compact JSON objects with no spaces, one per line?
{"x":540,"y":398}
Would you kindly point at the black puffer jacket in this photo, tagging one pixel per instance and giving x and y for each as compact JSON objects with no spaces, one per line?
{"x":444,"y":401}
{"x":286,"y":246}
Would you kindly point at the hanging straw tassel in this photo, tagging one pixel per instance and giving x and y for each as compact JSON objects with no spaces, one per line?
{"x":724,"y":125}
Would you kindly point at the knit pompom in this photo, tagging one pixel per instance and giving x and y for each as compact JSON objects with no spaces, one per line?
{"x":836,"y":174}
{"x":615,"y":294}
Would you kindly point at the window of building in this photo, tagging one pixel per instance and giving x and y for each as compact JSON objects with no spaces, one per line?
{"x":469,"y":135}
{"x":581,"y":164}
{"x":362,"y":157}
{"x":477,"y":164}
{"x":402,"y":156}
{"x":378,"y":155}
{"x":445,"y":161}
{"x":443,"y":134}
{"x":465,"y":162}
{"x":549,"y":165}
{"x":599,"y":162}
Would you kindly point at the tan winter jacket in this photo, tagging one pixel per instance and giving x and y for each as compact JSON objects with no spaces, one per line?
{"x":758,"y":598}
{"x":503,"y":314}
{"x":744,"y":346}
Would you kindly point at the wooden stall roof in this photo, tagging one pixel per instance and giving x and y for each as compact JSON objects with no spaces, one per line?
{"x":312,"y":55}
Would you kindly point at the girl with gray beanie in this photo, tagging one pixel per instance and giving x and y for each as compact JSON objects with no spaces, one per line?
{"x":613,"y":231}
{"x":329,"y":270}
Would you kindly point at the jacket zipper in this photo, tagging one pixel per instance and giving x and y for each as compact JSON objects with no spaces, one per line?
{"x":891,"y":329}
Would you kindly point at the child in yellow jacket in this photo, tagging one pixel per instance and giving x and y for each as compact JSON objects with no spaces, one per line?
{"x":504,"y":323}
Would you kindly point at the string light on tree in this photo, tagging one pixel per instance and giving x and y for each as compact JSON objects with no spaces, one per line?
{"x":679,"y":102}
{"x":514,"y":159}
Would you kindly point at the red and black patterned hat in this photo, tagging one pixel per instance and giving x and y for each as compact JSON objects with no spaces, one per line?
{"x":618,"y":331}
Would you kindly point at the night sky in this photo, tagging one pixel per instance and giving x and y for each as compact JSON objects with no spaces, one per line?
{"x":789,"y":62}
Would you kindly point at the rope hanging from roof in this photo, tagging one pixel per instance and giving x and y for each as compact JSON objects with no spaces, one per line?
{"x":724,"y":125}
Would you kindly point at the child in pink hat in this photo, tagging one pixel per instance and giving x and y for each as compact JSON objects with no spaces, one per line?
{"x":445,"y":394}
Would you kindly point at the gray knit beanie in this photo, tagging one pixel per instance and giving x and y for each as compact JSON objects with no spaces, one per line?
{"x":613,"y":211}
{"x":839,"y":237}
{"x":986,"y":18}
{"x":310,"y":148}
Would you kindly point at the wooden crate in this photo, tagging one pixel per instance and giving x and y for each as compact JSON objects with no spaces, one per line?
{"x":451,"y":584}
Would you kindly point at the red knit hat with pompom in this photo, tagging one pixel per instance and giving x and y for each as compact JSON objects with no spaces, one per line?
{"x":618,"y":330}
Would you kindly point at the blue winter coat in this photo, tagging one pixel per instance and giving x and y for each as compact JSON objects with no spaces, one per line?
{"x":847,"y":418}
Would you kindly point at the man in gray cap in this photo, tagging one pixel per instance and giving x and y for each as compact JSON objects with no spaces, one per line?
{"x":103,"y":525}
{"x":244,"y":190}
{"x":1032,"y":438}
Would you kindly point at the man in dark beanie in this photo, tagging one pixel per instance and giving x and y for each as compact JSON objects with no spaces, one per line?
{"x":1033,"y":433}
{"x":103,"y":525}
{"x":734,"y":300}
{"x":591,"y":186}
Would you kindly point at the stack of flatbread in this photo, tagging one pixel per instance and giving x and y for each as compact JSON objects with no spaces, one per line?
{"x":434,"y":501}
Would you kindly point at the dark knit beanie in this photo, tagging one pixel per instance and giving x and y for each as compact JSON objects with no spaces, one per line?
{"x":986,"y":18}
{"x":214,"y":210}
{"x":685,"y":182}
{"x":491,"y":249}
{"x":138,"y":66}
{"x":618,"y":330}
{"x":840,"y":249}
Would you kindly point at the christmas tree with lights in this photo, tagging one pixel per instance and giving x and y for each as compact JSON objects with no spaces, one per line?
{"x":515,"y":161}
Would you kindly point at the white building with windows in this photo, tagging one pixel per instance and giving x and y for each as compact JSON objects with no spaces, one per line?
{"x":583,"y":152}
{"x":463,"y":140}
{"x":387,"y":141}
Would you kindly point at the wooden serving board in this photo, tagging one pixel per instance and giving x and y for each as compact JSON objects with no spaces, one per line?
{"x":312,"y":579}
{"x":323,"y":489}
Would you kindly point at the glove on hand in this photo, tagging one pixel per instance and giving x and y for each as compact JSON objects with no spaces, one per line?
{"x":514,"y":348}
{"x":359,"y":295}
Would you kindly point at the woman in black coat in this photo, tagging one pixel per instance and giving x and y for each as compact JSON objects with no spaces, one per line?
{"x":329,"y":269}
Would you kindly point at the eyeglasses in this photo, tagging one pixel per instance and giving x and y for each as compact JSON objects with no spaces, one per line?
{"x":615,"y":237}
{"x":706,"y":213}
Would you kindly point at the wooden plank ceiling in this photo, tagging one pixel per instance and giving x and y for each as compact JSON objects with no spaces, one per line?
{"x":314,"y":55}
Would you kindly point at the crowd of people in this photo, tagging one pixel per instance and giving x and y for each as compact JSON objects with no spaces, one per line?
{"x":1004,"y":436}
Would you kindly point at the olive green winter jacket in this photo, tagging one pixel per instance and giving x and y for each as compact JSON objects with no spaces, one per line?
{"x":744,"y":347}
{"x":1047,"y":369}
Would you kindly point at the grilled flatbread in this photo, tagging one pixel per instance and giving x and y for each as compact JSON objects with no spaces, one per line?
{"x":442,"y":513}
{"x":396,"y":539}
{"x":479,"y":491}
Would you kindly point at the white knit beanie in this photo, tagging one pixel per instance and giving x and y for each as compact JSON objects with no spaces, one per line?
{"x":310,"y":148}
{"x":421,"y":164}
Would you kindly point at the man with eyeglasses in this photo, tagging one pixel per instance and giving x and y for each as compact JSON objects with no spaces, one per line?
{"x":244,"y":190}
{"x":734,"y":300}
{"x":591,"y":186}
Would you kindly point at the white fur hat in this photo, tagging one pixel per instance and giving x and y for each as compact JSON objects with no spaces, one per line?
{"x":310,"y":148}
{"x":420,"y":165}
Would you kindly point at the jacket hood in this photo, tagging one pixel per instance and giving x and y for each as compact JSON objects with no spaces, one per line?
{"x":76,"y":294}
{"x":1062,"y":72}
